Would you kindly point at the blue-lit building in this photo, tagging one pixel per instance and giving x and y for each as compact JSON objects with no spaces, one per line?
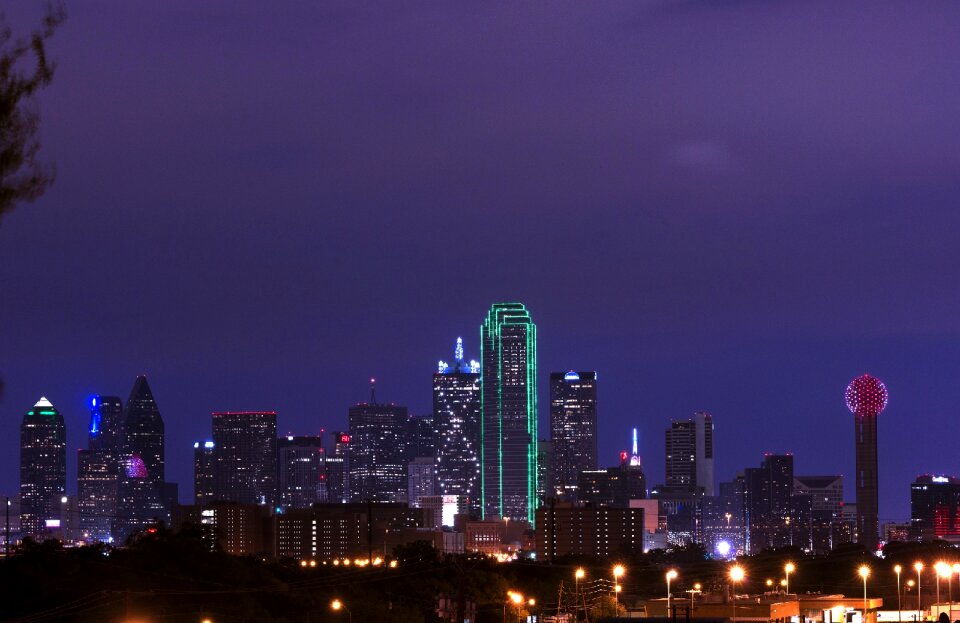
{"x":456,"y":417}
{"x":99,"y":469}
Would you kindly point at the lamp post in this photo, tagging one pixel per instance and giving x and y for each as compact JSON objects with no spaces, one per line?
{"x":897,"y":569}
{"x":578,"y":575}
{"x":736,"y":575}
{"x":671,"y":575}
{"x":697,"y":588}
{"x":864,"y":572}
{"x":919,"y":567}
{"x":788,"y":569}
{"x":517,"y":600}
{"x":617,"y":572}
{"x":336,"y":605}
{"x":938,"y":571}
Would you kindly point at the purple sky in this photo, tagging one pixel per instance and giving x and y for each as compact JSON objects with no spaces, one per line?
{"x":733,"y":206}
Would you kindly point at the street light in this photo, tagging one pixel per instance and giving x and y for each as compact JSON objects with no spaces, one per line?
{"x":736,"y":575}
{"x":671,"y":575}
{"x":336,"y":605}
{"x":617,"y":572}
{"x":697,"y":588}
{"x":788,"y":569}
{"x":940,"y":569}
{"x":897,"y":569}
{"x":919,"y":567}
{"x":578,"y":575}
{"x":864,"y":572}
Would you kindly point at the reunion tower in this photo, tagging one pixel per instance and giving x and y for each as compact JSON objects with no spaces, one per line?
{"x":866,"y":398}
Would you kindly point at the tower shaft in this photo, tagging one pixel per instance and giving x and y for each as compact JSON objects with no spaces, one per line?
{"x":865,"y":433}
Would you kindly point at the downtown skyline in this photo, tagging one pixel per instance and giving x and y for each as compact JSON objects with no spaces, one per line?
{"x":726,"y":207}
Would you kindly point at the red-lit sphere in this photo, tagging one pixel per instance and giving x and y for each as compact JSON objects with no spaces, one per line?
{"x":866,"y":395}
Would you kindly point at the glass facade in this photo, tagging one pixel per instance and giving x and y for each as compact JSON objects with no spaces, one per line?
{"x":508,"y":484}
{"x":43,"y":468}
{"x":456,"y":415}
{"x":573,"y":429}
{"x":245,"y":453}
{"x":378,"y":452}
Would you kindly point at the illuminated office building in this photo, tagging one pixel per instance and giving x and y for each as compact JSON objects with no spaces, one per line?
{"x":204,"y":465}
{"x":245,"y":453}
{"x":689,"y":453}
{"x":144,"y":431}
{"x":456,"y":415}
{"x":573,"y":429}
{"x":300,"y":471}
{"x":99,"y":469}
{"x":508,"y":390}
{"x":378,"y":452}
{"x":43,"y":468}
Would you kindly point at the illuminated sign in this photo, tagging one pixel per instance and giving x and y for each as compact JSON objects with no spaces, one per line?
{"x":344,"y":438}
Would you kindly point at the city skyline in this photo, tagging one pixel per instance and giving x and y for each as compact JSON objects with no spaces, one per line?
{"x":730,"y":207}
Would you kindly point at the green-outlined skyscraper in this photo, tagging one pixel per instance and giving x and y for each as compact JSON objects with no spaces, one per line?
{"x":508,"y":393}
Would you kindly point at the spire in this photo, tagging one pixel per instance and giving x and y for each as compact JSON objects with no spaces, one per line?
{"x":635,"y":453}
{"x":141,"y":390}
{"x":43,"y":402}
{"x":373,"y":391}
{"x":635,"y":457}
{"x":458,"y":351}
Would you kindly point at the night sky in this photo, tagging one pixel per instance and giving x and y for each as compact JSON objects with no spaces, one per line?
{"x":730,"y":206}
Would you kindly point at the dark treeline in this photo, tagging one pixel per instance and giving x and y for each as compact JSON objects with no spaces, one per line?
{"x":165,"y":576}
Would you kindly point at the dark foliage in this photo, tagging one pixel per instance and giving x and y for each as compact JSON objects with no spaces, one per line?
{"x":24,"y":70}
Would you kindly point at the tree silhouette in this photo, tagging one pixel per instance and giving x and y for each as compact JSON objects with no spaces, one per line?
{"x":24,"y":70}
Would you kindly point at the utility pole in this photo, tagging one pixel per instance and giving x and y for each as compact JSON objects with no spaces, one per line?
{"x":6,"y":545}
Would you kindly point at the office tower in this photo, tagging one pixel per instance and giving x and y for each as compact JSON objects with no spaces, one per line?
{"x":139,"y":502}
{"x":826,"y":510}
{"x":612,"y":487}
{"x":143,"y":429}
{"x":456,"y":415}
{"x":204,"y":470}
{"x":768,"y":503}
{"x":420,"y":480}
{"x":98,"y":469}
{"x":245,"y":451}
{"x":43,"y":467}
{"x":723,"y":520}
{"x":378,"y":466}
{"x":300,"y":471}
{"x":545,"y":469}
{"x":689,"y":453}
{"x":508,"y":391}
{"x":573,"y":429}
{"x":337,"y":469}
{"x":866,"y":397}
{"x":935,"y":508}
{"x":421,"y":437}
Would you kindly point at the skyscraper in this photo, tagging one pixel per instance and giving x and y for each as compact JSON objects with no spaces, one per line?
{"x":768,"y":502}
{"x":573,"y":429}
{"x":139,"y":501}
{"x":204,"y":472}
{"x":378,"y":465}
{"x":421,"y":476}
{"x":336,"y":469}
{"x":143,"y":429}
{"x":508,"y":390}
{"x":98,"y":468}
{"x":300,"y":471}
{"x":935,"y":508}
{"x":43,"y":467}
{"x":245,"y":451}
{"x":689,"y":453}
{"x":456,"y":416}
{"x":866,"y":397}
